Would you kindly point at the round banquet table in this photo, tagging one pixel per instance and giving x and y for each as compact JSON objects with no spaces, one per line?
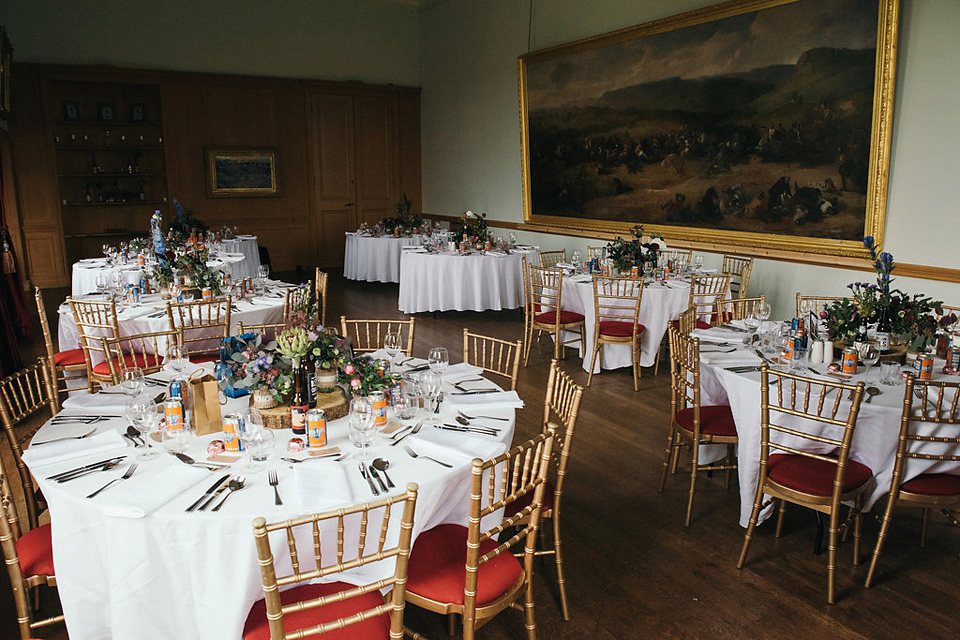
{"x":85,"y":271}
{"x":432,"y":281}
{"x":375,"y":258}
{"x":150,"y":315}
{"x":874,"y":440}
{"x":247,"y":245}
{"x":133,"y":564}
{"x":661,"y":303}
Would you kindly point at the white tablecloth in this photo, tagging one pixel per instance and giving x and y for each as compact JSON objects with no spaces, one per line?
{"x":85,"y":272}
{"x":375,"y":259}
{"x":874,"y":440}
{"x":247,"y":245}
{"x":450,"y":281}
{"x":659,"y":306}
{"x":172,"y":574}
{"x":150,"y":315}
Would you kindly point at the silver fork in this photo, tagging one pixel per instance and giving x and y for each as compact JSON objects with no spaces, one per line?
{"x":487,"y":417}
{"x":414,"y":454}
{"x":415,"y":430}
{"x":126,"y":474}
{"x":274,"y":481}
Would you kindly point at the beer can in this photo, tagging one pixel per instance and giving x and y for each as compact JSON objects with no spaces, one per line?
{"x":316,"y":428}
{"x":134,"y":295}
{"x":207,"y":294}
{"x":634,"y":272}
{"x":141,"y":261}
{"x":795,"y":324}
{"x":173,"y":412}
{"x":231,"y":433}
{"x":953,"y":356}
{"x":175,"y":389}
{"x":379,"y":401}
{"x":849,"y":362}
{"x":924,"y":366}
{"x":382,"y":365}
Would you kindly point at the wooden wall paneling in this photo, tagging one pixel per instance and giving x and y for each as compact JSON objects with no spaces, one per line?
{"x":183,"y":130}
{"x":410,"y":157}
{"x":331,"y":151}
{"x":377,"y":156}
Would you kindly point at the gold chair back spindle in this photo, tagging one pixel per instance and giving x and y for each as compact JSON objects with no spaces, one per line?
{"x":550,"y":259}
{"x":60,"y":362}
{"x":617,"y":307}
{"x":296,"y":298}
{"x":367,"y":335}
{"x":543,"y":310}
{"x":143,"y":351}
{"x":815,"y":304}
{"x":320,"y":294}
{"x":739,"y":308}
{"x":203,"y":324}
{"x":738,"y":268}
{"x":95,"y":320}
{"x":493,"y":355}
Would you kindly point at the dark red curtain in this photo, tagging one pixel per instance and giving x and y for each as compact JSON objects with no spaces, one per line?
{"x":13,"y":313}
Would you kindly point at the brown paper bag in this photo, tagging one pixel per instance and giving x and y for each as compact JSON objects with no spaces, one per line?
{"x":204,"y":393}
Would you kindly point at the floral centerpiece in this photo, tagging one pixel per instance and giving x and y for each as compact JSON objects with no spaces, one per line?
{"x":294,"y":343}
{"x":472,"y":226}
{"x":402,"y":222}
{"x":635,"y":252}
{"x":362,"y":376}
{"x":329,"y":350}
{"x":915,"y":318}
{"x":258,"y":366}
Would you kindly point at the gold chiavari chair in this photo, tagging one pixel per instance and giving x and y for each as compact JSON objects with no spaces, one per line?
{"x":706,"y":292}
{"x":142,"y":351}
{"x":595,"y":252}
{"x":549,"y":259}
{"x":320,"y":294}
{"x":493,"y":355}
{"x":23,"y":395}
{"x":95,"y":320}
{"x":203,"y":324}
{"x":543,"y":310}
{"x":491,"y":579}
{"x":738,"y":267}
{"x":692,"y":423}
{"x":687,"y":321}
{"x":683,"y":256}
{"x":337,"y":608}
{"x":60,"y":362}
{"x":815,"y":304}
{"x":800,"y":420}
{"x":268,"y":330}
{"x":296,"y":299}
{"x":739,"y":308}
{"x":929,"y":430}
{"x":367,"y":335}
{"x":561,"y":405}
{"x":616,"y":304}
{"x":28,"y":554}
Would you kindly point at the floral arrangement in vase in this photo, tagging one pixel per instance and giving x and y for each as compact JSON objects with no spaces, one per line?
{"x":635,"y":251}
{"x":471,"y":225}
{"x":255,"y":365}
{"x":402,"y":222}
{"x":362,"y":376}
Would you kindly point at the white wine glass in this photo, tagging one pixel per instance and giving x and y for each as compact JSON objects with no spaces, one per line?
{"x":869,"y":355}
{"x":438,"y":359}
{"x":263,"y":274}
{"x":513,"y":238}
{"x":392,"y":344}
{"x":149,"y":421}
{"x":698,"y":263}
{"x":361,"y":424}
{"x":132,"y":382}
{"x":763,"y":312}
{"x":431,"y":386}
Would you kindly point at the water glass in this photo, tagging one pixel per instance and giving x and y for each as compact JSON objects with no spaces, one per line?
{"x":132,"y":382}
{"x":392,"y":345}
{"x":257,"y":440}
{"x":438,"y":359}
{"x":176,"y":357}
{"x":889,"y":374}
{"x":149,"y":423}
{"x":176,"y":441}
{"x":361,"y":424}
{"x":798,"y":361}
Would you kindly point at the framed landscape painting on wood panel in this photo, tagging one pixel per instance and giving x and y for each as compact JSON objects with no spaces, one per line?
{"x":757,"y":123}
{"x":241,"y":172}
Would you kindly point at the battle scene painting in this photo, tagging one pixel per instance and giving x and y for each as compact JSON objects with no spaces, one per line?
{"x":759,"y":122}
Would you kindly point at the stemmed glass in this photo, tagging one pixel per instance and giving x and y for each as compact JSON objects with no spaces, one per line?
{"x":438,"y":359}
{"x":698,"y":263}
{"x":575,"y":258}
{"x":391,"y":343}
{"x":132,"y":382}
{"x":102,"y":284}
{"x":752,"y":322}
{"x":361,"y":423}
{"x":647,"y":269}
{"x":263,"y":273}
{"x":146,"y":417}
{"x":257,"y":440}
{"x":869,"y":355}
{"x":762,"y":312}
{"x":513,"y":238}
{"x":106,"y":248}
{"x":176,"y":358}
{"x":431,"y":385}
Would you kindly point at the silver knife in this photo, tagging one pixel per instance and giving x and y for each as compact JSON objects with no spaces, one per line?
{"x":216,"y":492}
{"x":209,"y":492}
{"x":473,"y":393}
{"x":366,"y":476}
{"x":373,"y":472}
{"x":94,"y":465}
{"x":106,"y":467}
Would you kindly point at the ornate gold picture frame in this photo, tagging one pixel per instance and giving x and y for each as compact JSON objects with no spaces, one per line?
{"x":754,"y":124}
{"x":239,"y":173}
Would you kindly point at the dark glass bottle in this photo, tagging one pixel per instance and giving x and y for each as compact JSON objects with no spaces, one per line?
{"x":882,"y":339}
{"x":299,"y":402}
{"x":862,"y":339}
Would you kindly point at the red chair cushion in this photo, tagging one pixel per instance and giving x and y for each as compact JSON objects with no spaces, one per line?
{"x":66,"y":358}
{"x":715,"y":420}
{"x":934,"y":484}
{"x":437,"y":567}
{"x":200,"y":358}
{"x":519,"y":505}
{"x":130,"y":360}
{"x":566,"y":317}
{"x":814,"y":476}
{"x":257,"y":628}
{"x":618,"y":329}
{"x":700,"y":324}
{"x":35,"y":550}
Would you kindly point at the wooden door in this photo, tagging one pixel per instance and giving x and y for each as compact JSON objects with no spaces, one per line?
{"x":334,"y":174}
{"x":377,"y":157}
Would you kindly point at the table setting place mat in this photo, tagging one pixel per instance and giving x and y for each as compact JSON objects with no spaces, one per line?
{"x":320,"y":486}
{"x":106,"y":441}
{"x":458,"y":451}
{"x":149,"y":488}
{"x":495,"y":400}
{"x":739,"y":357}
{"x":720,"y":334}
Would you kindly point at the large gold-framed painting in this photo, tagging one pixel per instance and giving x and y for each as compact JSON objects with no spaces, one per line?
{"x":762,"y":123}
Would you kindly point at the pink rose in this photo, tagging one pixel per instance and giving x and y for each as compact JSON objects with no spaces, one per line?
{"x":355,"y":383}
{"x":348,"y":369}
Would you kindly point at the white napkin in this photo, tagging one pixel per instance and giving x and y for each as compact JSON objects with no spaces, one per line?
{"x":320,"y":486}
{"x":151,"y":487}
{"x":107,"y":441}
{"x":498,"y":400}
{"x":104,"y":403}
{"x":719,"y":334}
{"x":495,"y":253}
{"x":460,"y":370}
{"x":246,"y":237}
{"x":580,"y":278}
{"x":733,"y":359}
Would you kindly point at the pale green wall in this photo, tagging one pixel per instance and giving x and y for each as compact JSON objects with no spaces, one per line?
{"x":367,"y":40}
{"x":471,"y":132}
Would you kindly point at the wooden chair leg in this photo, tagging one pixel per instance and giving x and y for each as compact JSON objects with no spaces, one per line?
{"x":924,"y":519}
{"x":667,"y":457}
{"x":593,"y":361}
{"x":780,"y":514}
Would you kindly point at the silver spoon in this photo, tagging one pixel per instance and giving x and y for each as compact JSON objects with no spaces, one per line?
{"x":134,"y":434}
{"x":381,"y":465}
{"x":235,"y":485}
{"x":871,"y":391}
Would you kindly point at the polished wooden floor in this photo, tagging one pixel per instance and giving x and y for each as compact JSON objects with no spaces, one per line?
{"x":632,"y":570}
